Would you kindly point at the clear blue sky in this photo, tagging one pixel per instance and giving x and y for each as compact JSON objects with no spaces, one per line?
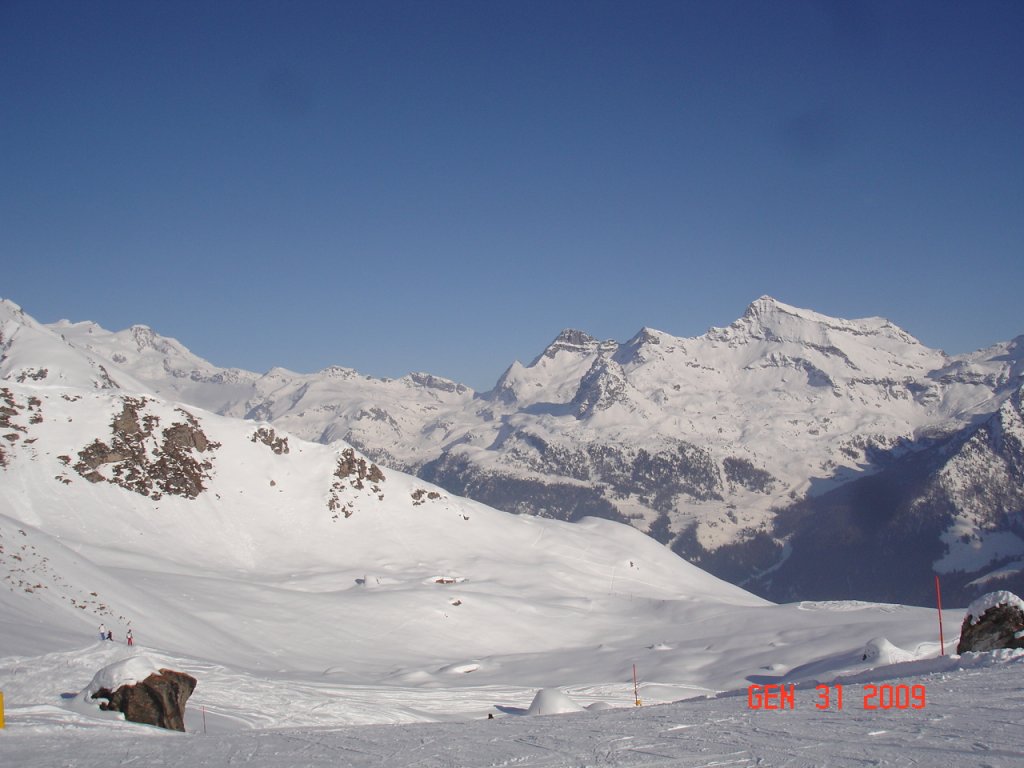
{"x":445,"y":185}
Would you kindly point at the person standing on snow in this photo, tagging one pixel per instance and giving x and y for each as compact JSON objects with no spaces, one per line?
{"x":131,"y":640}
{"x":103,"y":631}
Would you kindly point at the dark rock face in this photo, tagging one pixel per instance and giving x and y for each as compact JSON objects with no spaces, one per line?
{"x":158,"y":700}
{"x":146,"y":461}
{"x":998,"y":627}
{"x":269,"y":438}
{"x":351,"y":472}
{"x":544,"y":498}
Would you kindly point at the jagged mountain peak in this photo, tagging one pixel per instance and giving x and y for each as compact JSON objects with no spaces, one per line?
{"x":332,"y":372}
{"x":144,"y":336}
{"x":648,"y":336}
{"x":8,"y":307}
{"x":697,"y":439}
{"x":574,"y":336}
{"x":642,"y":345}
{"x":767,"y":305}
{"x":32,"y":352}
{"x":602,"y":387}
{"x":776,"y":318}
{"x":554,"y":374}
{"x":574,"y":341}
{"x":859,"y":342}
{"x":430,"y":381}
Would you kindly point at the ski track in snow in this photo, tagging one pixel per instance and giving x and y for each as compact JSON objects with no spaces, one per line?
{"x":972,"y":717}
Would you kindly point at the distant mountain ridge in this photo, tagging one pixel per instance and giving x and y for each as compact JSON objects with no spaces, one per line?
{"x":706,"y":443}
{"x":122,"y":508}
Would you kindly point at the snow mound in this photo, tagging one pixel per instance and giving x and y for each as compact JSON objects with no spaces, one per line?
{"x":881,"y":651}
{"x":551,"y":701}
{"x":128,"y":671}
{"x":977,"y":609}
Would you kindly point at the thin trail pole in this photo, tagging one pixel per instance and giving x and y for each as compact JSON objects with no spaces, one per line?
{"x":636,"y":691}
{"x":938,"y":598}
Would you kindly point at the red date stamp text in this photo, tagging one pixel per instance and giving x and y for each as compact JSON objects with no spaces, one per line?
{"x":881,"y":697}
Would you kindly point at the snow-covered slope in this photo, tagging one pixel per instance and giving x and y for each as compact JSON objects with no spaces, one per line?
{"x":122,"y":507}
{"x":308,"y":587}
{"x":697,"y":441}
{"x":349,"y":552}
{"x":30,"y":351}
{"x":953,"y":510}
{"x":968,"y":717}
{"x":395,"y":418}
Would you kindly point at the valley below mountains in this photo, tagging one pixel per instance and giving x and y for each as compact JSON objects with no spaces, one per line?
{"x":798,"y":455}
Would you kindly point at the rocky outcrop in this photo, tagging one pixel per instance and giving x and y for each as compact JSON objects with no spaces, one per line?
{"x":269,"y":438}
{"x":151,"y":463}
{"x":603,"y":386}
{"x":352,"y":472}
{"x":994,"y":621}
{"x":158,"y":700}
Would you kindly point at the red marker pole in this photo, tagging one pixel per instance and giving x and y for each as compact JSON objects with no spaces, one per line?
{"x":938,"y":598}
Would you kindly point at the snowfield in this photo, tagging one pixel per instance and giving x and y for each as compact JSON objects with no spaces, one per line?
{"x":783,"y":403}
{"x":339,"y":613}
{"x":972,"y":717}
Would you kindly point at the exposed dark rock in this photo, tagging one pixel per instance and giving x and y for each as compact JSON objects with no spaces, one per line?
{"x":742,"y":472}
{"x":518,"y":495}
{"x":571,"y":340}
{"x":436,"y":382}
{"x":603,"y":386}
{"x":679,"y":468}
{"x":10,"y":410}
{"x":352,"y":471}
{"x":158,"y":700}
{"x":33,"y":374}
{"x":143,"y":465}
{"x":351,"y":465}
{"x":269,"y":438}
{"x":999,"y":626}
{"x":377,"y":414}
{"x":421,"y":495}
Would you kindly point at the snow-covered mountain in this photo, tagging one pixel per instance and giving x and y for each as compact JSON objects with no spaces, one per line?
{"x":954,"y":509}
{"x":101,"y":488}
{"x":233,"y":540}
{"x":700,"y":442}
{"x":309,"y":587}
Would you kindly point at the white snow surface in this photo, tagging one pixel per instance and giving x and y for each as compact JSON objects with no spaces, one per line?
{"x":978,"y":607}
{"x":971,"y":717}
{"x":551,"y":701}
{"x":127,"y":671}
{"x":337,"y":623}
{"x":802,"y":397}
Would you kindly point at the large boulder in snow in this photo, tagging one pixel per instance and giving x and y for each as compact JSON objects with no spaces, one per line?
{"x":143,"y":692}
{"x":993,"y":621}
{"x":551,"y":701}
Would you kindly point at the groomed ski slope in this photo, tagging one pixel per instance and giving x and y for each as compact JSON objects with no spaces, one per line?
{"x":972,"y":717}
